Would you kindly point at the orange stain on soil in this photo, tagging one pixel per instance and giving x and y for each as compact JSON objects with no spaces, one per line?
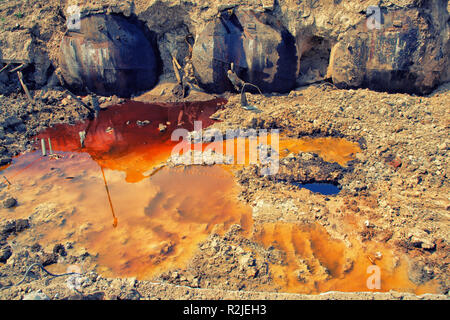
{"x":161,"y":228}
{"x":328,"y":148}
{"x":312,"y":262}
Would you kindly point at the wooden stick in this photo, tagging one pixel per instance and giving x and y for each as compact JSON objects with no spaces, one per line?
{"x":5,"y":67}
{"x":109,"y":199}
{"x":79,"y":101}
{"x":19,"y":73}
{"x":176,"y":69}
{"x":44,"y":152}
{"x":7,"y":180}
{"x":50,"y":146}
{"x":18,"y":68}
{"x":176,"y":62}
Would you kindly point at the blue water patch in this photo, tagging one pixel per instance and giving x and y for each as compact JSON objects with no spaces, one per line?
{"x":327,"y":189}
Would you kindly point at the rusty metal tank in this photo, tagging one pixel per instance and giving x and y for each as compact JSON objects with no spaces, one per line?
{"x":262,"y":50}
{"x":109,"y":55}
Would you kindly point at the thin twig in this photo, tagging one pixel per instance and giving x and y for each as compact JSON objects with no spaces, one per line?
{"x":5,"y":67}
{"x":43,"y":269}
{"x":176,"y":69}
{"x":20,"y":75}
{"x":7,"y":180}
{"x":109,"y":199}
{"x":79,"y":101}
{"x":18,"y":68}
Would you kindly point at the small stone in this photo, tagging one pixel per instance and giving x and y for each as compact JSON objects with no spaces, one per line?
{"x":49,"y":258}
{"x":396,"y":163}
{"x":443,"y":146}
{"x":116,"y":284}
{"x":251,"y":272}
{"x":368,"y":224}
{"x":306,"y":156}
{"x":397,"y":23}
{"x":420,"y":238}
{"x":5,"y":253}
{"x":9,"y":203}
{"x":5,"y":161}
{"x":142,"y":123}
{"x":22,"y":224}
{"x":162,"y":127}
{"x":246,"y":261}
{"x":129,"y":295}
{"x":59,"y":249}
{"x":428,"y":245}
{"x":132,"y":281}
{"x":36,"y":247}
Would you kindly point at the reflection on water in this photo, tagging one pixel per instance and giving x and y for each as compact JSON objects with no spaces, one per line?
{"x":159,"y":221}
{"x":132,"y":137}
{"x":326,"y":189}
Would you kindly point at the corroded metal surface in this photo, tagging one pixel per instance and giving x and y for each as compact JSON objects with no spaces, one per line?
{"x":109,"y":55}
{"x":403,"y":54}
{"x":262,"y":51}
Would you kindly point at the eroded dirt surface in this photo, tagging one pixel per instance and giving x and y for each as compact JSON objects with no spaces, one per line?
{"x":392,"y":210}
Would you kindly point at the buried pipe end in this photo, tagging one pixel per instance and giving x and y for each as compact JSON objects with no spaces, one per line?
{"x":109,"y":55}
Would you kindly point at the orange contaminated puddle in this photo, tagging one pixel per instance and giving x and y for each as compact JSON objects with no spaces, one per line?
{"x":104,"y":195}
{"x":156,"y":223}
{"x":244,"y":150}
{"x":133,"y":137}
{"x":311,"y":262}
{"x":328,"y":148}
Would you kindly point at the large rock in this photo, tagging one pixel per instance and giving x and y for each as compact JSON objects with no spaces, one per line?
{"x":260,"y":47}
{"x":109,"y":55}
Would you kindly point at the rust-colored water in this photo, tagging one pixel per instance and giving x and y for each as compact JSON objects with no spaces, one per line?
{"x":104,"y":196}
{"x":244,"y":150}
{"x":328,"y":148}
{"x":313,"y":262}
{"x":117,"y":140}
{"x":158,"y":221}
